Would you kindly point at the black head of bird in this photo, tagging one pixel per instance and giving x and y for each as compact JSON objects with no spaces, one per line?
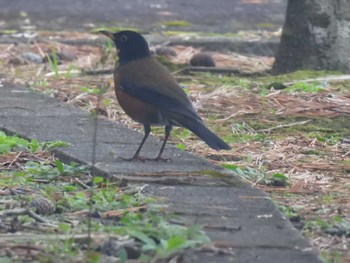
{"x":130,"y":45}
{"x":149,"y":94}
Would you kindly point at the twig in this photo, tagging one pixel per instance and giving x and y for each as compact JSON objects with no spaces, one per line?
{"x":82,"y":184}
{"x":218,"y":249}
{"x":220,"y":70}
{"x":50,"y":74}
{"x":98,"y":71}
{"x":23,"y":211}
{"x":13,"y":212}
{"x":41,"y":181}
{"x":14,"y":159}
{"x":36,"y":217}
{"x":77,"y":237}
{"x":241,"y":112}
{"x":93,"y":162}
{"x":284,"y":126}
{"x":20,"y":246}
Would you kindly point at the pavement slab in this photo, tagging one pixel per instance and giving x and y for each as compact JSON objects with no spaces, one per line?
{"x":241,"y":220}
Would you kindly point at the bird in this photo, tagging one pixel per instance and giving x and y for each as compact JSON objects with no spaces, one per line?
{"x":150,"y":95}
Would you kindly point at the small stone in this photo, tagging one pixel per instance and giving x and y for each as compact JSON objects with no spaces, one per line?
{"x":66,"y":55}
{"x":338,"y":231}
{"x":16,"y":61}
{"x":52,"y":57}
{"x":202,"y":60}
{"x":113,"y":247}
{"x":277,"y":86}
{"x":165,"y":51}
{"x":32,"y":57}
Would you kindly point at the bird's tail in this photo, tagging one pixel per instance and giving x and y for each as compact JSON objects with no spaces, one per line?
{"x":198,"y":128}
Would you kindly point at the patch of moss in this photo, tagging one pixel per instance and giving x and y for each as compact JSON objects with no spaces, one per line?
{"x":265,"y":25}
{"x":177,"y":33}
{"x":177,"y":23}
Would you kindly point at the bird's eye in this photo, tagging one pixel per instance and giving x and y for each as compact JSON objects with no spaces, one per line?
{"x":123,"y":38}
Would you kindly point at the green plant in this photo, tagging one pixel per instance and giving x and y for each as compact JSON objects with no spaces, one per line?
{"x":305,"y":87}
{"x":288,"y":211}
{"x":53,"y":61}
{"x":48,"y":146}
{"x":332,"y":257}
{"x":258,"y":176}
{"x":97,"y":91}
{"x":278,"y":179}
{"x":316,"y":224}
{"x":40,"y":83}
{"x":44,"y":169}
{"x":9,"y":143}
{"x":133,"y":214}
{"x":181,"y":146}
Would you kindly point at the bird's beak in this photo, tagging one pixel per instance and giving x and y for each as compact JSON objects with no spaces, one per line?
{"x":107,"y":33}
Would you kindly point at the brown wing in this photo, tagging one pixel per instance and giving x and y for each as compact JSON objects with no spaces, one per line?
{"x":151,"y":82}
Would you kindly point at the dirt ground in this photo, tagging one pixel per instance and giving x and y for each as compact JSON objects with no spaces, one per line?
{"x":291,"y":140}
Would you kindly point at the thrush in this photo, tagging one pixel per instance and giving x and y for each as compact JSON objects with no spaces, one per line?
{"x":150,"y":95}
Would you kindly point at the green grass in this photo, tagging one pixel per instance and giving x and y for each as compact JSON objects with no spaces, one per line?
{"x":255,"y":176}
{"x":265,"y":25}
{"x":139,"y":216}
{"x":177,"y":23}
{"x":53,"y":61}
{"x":305,"y":87}
{"x":10,"y":143}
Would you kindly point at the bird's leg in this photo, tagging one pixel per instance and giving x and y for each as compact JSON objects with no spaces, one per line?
{"x":168,"y":129}
{"x":147,"y":130}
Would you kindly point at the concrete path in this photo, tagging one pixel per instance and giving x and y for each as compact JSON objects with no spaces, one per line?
{"x":235,"y":216}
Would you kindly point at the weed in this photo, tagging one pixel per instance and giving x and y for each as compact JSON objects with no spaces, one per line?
{"x":181,"y":134}
{"x":40,"y":83}
{"x":95,"y":91}
{"x":288,"y":211}
{"x":181,"y":146}
{"x":332,"y":257}
{"x":258,"y":177}
{"x":53,"y":61}
{"x":329,"y":139}
{"x":10,"y":143}
{"x":305,"y":87}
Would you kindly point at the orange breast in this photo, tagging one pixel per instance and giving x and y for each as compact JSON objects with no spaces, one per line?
{"x":138,"y":110}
